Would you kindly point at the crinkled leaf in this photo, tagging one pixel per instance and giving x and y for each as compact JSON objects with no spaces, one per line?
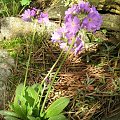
{"x":6,"y":1}
{"x":29,"y":110}
{"x":31,"y":97}
{"x":57,"y":107}
{"x":37,"y":87}
{"x":19,"y":105}
{"x":32,"y":93}
{"x":20,"y":91}
{"x":58,"y":117}
{"x":8,"y":113}
{"x":10,"y":118}
{"x":33,"y":118}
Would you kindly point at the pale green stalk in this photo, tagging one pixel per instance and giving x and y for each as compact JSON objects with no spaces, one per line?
{"x":46,"y":78}
{"x":28,"y":62}
{"x":49,"y":89}
{"x":22,"y":9}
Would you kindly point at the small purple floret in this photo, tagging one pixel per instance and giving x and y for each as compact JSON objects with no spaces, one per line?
{"x":73,"y":25}
{"x":69,"y":36}
{"x":78,"y":45}
{"x":28,"y":14}
{"x":33,"y":14}
{"x":64,"y":46}
{"x":73,"y":10}
{"x":84,"y":6}
{"x":56,"y":36}
{"x":92,"y":22}
{"x":43,"y":18}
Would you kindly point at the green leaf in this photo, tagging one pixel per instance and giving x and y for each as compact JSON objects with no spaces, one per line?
{"x":58,"y":117}
{"x":37,"y":87}
{"x":25,"y":2}
{"x":33,"y":118}
{"x":31,"y":97}
{"x":10,"y":118}
{"x":29,"y":110}
{"x":32,"y":93}
{"x":57,"y":107}
{"x":7,"y":113}
{"x":19,"y":105}
{"x":6,"y":1}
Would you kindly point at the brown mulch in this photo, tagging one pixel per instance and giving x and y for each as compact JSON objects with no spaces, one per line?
{"x":81,"y":78}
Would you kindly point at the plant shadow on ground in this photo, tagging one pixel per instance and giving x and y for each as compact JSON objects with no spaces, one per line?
{"x":91,"y":80}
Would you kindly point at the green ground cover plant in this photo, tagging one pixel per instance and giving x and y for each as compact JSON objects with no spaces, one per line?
{"x":27,"y":105}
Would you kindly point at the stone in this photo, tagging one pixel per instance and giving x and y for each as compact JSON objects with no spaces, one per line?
{"x":57,"y":10}
{"x":6,"y":65}
{"x":112,"y":25}
{"x":12,"y":27}
{"x":111,"y":22}
{"x":111,"y":6}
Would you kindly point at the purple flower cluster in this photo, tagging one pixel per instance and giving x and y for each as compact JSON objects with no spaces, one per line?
{"x":92,"y":20}
{"x":73,"y":24}
{"x":31,"y":14}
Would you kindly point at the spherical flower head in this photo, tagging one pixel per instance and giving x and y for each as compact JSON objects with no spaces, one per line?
{"x":73,"y":24}
{"x":84,"y":7}
{"x":28,"y":14}
{"x":43,"y":18}
{"x":73,"y":10}
{"x":78,"y":45}
{"x":92,"y":22}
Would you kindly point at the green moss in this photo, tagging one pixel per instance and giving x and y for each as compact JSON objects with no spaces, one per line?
{"x":12,"y":46}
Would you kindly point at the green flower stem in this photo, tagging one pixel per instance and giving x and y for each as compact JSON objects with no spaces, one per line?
{"x":49,"y":89}
{"x":22,"y":9}
{"x":45,"y":79}
{"x":28,"y":62}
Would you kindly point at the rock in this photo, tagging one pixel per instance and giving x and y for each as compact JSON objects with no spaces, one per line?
{"x":57,"y":10}
{"x":6,"y":64}
{"x":112,"y":25}
{"x":13,"y":26}
{"x":112,"y":6}
{"x":111,"y":22}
